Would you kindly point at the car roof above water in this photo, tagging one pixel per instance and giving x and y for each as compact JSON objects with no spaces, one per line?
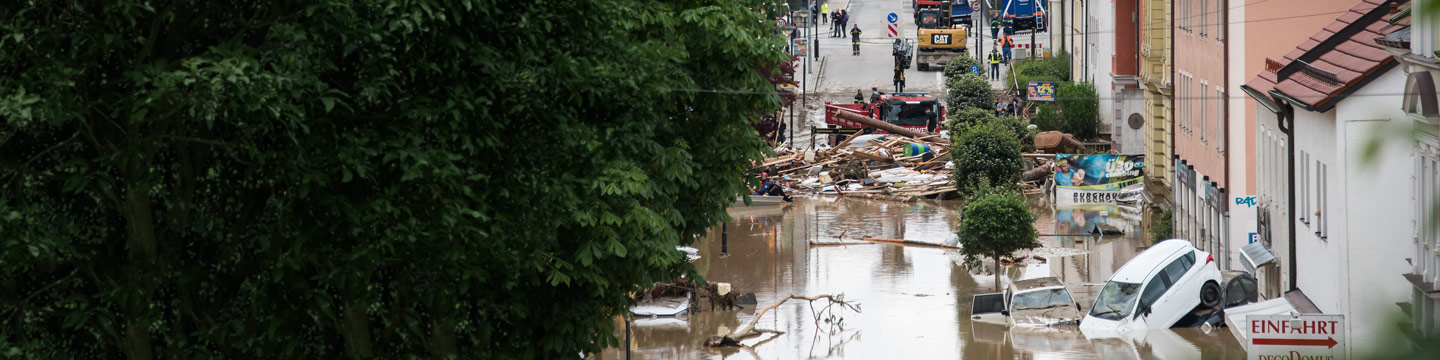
{"x":1037,"y":283}
{"x":1147,"y":262}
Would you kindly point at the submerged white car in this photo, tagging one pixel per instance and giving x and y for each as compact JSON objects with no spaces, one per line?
{"x":1035,"y":302}
{"x":1156,"y":289}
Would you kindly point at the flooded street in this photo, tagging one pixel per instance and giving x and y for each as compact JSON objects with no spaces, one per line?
{"x":915,"y":300}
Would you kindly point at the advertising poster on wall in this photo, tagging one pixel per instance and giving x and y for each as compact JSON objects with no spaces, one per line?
{"x":1098,"y":178}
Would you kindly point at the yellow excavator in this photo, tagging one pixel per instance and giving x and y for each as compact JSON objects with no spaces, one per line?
{"x":939,"y":37}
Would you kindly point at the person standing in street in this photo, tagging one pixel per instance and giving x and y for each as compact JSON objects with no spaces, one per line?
{"x":844,"y":19}
{"x":824,"y":9}
{"x":931,"y":120}
{"x":859,"y":97}
{"x":994,"y":63}
{"x":855,"y":40}
{"x":899,"y":78}
{"x":834,"y":25}
{"x":1006,"y":43}
{"x":995,"y":26}
{"x":874,"y":94}
{"x":780,"y":134}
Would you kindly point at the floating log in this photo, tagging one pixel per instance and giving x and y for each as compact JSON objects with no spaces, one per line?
{"x":877,"y":123}
{"x":911,"y":242}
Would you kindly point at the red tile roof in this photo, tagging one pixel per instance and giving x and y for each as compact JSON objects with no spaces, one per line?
{"x":1338,"y":58}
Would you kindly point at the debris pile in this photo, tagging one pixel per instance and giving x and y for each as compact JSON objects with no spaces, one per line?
{"x":875,"y":166}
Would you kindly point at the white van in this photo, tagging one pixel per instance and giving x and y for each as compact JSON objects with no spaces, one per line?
{"x":1156,"y":289}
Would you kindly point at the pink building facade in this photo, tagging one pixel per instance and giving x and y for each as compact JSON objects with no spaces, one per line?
{"x":1200,"y":139}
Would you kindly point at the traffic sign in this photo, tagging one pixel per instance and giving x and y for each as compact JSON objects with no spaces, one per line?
{"x":894,"y":29}
{"x":975,"y":69}
{"x":892,"y":18}
{"x":1296,"y":336}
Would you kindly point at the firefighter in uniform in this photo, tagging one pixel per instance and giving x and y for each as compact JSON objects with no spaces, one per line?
{"x":994,"y":26}
{"x":855,"y":40}
{"x":899,"y":77}
{"x":994,"y":63}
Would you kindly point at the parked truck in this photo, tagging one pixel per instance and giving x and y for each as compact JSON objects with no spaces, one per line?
{"x":906,"y":110}
{"x":1025,"y":15}
{"x":963,"y":13}
{"x":940,"y":38}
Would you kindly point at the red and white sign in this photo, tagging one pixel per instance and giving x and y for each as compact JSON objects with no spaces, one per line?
{"x":893,"y":30}
{"x":1286,"y":337}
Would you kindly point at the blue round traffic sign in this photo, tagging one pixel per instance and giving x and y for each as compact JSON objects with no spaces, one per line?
{"x":892,"y":18}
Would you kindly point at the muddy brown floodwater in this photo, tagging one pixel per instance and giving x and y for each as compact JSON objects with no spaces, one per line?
{"x":915,"y":301}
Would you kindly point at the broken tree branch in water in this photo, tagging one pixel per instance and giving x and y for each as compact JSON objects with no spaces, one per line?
{"x":749,"y":330}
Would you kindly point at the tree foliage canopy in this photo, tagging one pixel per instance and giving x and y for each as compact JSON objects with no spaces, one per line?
{"x":985,"y":154}
{"x":305,"y":179}
{"x":1080,"y":107}
{"x":1076,"y":110}
{"x":996,"y":222}
{"x":969,"y":90}
{"x":959,"y":65}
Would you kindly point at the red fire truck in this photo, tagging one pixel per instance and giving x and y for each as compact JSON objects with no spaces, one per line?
{"x":904,"y":109}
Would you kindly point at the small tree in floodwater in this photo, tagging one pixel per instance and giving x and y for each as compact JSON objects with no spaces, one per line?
{"x":995,"y":222}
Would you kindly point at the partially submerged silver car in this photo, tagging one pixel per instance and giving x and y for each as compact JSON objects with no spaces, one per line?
{"x":1032,"y":302}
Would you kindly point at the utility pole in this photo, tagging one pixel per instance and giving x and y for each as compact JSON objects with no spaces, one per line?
{"x":815,"y":47}
{"x":982,"y":21}
{"x":1064,"y":27}
{"x":813,"y":9}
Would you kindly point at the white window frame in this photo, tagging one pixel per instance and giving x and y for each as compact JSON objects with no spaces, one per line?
{"x":1180,"y":15}
{"x":1304,"y":212}
{"x":1222,"y":7}
{"x":1223,"y":117}
{"x":1204,"y":16}
{"x":1426,"y":193}
{"x":1321,"y":200}
{"x":1202,"y":105}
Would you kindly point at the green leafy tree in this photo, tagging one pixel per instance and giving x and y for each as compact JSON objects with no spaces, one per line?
{"x":326,"y":179}
{"x":1047,"y":118}
{"x":959,"y":65}
{"x":1019,"y":126}
{"x":995,"y":222}
{"x":969,"y":90}
{"x":971,"y":116}
{"x":1080,"y":107}
{"x":1055,"y":68}
{"x":1163,"y":226}
{"x":966,"y":116}
{"x":985,"y":154}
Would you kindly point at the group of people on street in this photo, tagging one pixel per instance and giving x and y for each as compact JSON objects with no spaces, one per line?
{"x":1012,"y":107}
{"x":1003,"y":45}
{"x":838,"y":20}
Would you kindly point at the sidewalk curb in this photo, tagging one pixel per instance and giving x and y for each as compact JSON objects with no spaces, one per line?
{"x":820,"y":73}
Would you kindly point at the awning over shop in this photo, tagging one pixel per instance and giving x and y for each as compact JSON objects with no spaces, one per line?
{"x":1255,"y":255}
{"x":1294,"y":302}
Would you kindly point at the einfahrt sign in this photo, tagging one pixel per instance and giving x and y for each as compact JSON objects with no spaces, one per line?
{"x":1303,"y":337}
